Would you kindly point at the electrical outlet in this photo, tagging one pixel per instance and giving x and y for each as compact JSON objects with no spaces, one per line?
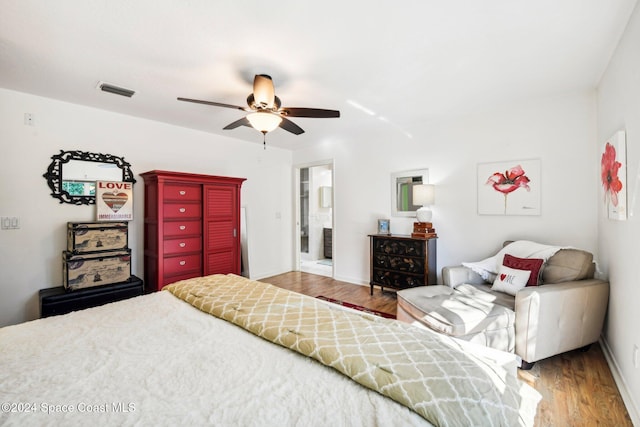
{"x":28,"y":119}
{"x":635,"y":356}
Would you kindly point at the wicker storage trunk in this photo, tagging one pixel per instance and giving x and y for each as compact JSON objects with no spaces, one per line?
{"x":90,"y":237}
{"x":97,"y":269}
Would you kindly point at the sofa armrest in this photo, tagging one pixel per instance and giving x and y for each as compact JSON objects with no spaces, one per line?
{"x":555,"y":318}
{"x":454,"y":276}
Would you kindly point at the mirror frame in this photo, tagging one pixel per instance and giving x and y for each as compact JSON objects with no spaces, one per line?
{"x":54,"y":173}
{"x":424,"y":173}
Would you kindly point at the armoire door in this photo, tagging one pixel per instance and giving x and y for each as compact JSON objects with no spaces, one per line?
{"x":221,"y":230}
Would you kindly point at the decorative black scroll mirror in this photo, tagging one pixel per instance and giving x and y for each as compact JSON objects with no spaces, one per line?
{"x":72,"y":175}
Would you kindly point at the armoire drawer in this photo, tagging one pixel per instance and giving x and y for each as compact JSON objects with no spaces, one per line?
{"x":167,"y":280}
{"x":181,"y":228}
{"x":182,"y":192}
{"x":179,"y":246}
{"x":182,"y":210}
{"x":176,"y":265}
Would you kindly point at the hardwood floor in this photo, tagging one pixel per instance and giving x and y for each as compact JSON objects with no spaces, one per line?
{"x":577,"y":387}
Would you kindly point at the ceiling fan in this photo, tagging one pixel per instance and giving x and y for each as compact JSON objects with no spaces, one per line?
{"x":265,"y":109}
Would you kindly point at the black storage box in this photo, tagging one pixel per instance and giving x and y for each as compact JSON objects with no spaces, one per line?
{"x":54,"y":301}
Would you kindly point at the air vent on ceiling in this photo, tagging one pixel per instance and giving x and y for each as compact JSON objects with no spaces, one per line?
{"x":106,"y":87}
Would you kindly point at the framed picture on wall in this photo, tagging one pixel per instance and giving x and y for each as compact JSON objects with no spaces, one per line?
{"x":383,"y":226}
{"x":114,"y":201}
{"x":509,"y":188}
{"x":613,"y":173}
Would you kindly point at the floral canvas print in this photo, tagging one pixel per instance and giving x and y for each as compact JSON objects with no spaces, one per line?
{"x":509,"y":188}
{"x":613,"y":167}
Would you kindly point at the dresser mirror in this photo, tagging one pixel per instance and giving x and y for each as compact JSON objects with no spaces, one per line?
{"x":72,"y":175}
{"x":402,"y":191}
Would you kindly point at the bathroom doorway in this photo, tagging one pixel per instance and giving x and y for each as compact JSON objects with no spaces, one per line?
{"x":314,"y":218}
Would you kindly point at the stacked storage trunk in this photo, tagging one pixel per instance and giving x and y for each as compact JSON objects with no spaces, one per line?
{"x":97,"y":254}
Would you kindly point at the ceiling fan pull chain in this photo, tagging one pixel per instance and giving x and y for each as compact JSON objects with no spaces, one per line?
{"x":264,"y":140}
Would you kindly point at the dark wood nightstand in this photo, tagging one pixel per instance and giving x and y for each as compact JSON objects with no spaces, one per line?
{"x":400,"y":262}
{"x":54,"y":301}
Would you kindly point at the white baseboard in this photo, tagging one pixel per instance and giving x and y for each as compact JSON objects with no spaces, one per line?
{"x":351,"y":280}
{"x":632,"y":408}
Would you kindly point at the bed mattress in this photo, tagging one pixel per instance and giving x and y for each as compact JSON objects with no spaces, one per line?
{"x":157,"y":360}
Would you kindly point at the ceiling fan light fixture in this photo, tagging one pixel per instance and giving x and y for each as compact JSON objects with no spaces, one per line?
{"x":263,"y":121}
{"x":263,"y":91}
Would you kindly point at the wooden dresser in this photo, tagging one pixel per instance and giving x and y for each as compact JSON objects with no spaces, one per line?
{"x":399,"y":261}
{"x":191,"y":226}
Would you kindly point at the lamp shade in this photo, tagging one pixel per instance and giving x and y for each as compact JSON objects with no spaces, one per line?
{"x":264,"y":121}
{"x":424,"y":194}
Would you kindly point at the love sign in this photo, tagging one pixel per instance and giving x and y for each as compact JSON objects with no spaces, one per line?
{"x":114,"y":201}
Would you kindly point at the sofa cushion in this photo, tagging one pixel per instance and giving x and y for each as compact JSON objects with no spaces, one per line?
{"x":530,"y":264}
{"x":568,"y":265}
{"x":466,"y":312}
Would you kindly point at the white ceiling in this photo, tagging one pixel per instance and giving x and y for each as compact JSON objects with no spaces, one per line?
{"x":381,"y":63}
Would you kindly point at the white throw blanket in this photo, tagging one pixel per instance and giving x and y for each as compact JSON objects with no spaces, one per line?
{"x":488,"y":268}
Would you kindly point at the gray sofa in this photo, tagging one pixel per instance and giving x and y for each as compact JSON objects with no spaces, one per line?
{"x":565,"y":312}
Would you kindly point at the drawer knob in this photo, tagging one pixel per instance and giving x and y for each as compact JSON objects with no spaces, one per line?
{"x":182,"y":210}
{"x":182,"y":244}
{"x":182,"y":192}
{"x":183,"y":262}
{"x":183,"y":227}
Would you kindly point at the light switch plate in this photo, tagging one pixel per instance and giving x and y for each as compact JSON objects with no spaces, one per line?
{"x":9,"y":223}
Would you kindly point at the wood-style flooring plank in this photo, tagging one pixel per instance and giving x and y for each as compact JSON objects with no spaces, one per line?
{"x":577,"y":387}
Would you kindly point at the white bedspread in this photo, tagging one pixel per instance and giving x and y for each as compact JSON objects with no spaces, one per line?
{"x":124,"y":364}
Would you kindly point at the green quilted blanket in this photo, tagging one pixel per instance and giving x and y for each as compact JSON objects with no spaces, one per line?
{"x":416,"y":368}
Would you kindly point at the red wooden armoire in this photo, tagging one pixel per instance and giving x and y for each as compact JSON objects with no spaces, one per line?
{"x":191,"y":226}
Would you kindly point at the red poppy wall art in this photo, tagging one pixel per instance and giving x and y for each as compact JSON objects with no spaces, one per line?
{"x":613,"y":175}
{"x":509,"y":188}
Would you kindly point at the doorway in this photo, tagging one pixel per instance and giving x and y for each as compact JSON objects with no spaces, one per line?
{"x":314,"y":218}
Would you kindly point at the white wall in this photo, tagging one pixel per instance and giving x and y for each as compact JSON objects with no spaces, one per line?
{"x":559,"y":131}
{"x":619,"y":109}
{"x":30,"y":257}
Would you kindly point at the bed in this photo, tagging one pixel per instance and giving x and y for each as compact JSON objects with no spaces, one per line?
{"x":225,"y":350}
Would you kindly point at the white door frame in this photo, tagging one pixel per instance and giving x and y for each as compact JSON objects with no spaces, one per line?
{"x":296,"y":204}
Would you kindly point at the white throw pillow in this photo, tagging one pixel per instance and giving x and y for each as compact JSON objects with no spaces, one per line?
{"x":485,"y":268}
{"x":510,"y":281}
{"x":488,"y":268}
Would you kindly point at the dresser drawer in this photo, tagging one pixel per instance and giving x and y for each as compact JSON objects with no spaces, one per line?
{"x":176,"y":265}
{"x":182,"y":210}
{"x":181,"y":228}
{"x":167,"y":280}
{"x":396,"y":280}
{"x":399,"y":246}
{"x":183,"y":192}
{"x":179,"y":246}
{"x":399,"y":263}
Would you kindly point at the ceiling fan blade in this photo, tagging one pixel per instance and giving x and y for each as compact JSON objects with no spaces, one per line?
{"x":242,"y":122}
{"x":215,"y":104}
{"x":309,"y":112}
{"x":263,"y":91}
{"x":289,"y":126}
